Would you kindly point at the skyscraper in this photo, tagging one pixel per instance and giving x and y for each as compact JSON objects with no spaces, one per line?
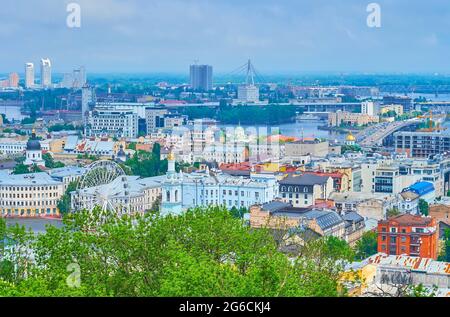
{"x":201,"y":77}
{"x":87,"y":101}
{"x":29,"y":75}
{"x":14,"y":80}
{"x":46,"y":73}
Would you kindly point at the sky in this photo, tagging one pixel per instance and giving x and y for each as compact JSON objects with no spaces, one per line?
{"x":282,"y":36}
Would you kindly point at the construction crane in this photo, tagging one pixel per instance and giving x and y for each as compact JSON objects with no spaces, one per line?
{"x":431,"y":127}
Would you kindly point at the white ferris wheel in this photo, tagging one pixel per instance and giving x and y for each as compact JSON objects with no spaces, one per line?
{"x":105,"y":185}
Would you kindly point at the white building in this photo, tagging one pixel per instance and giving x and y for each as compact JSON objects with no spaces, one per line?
{"x":107,"y":120}
{"x":29,"y":195}
{"x":225,"y":153}
{"x":29,"y":75}
{"x":33,"y":152}
{"x":368,"y":107}
{"x":46,"y":73}
{"x":12,"y":146}
{"x":137,"y":194}
{"x":248,"y":94}
{"x":67,"y":174}
{"x":183,"y":191}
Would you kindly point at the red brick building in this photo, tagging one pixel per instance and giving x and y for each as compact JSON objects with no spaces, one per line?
{"x":409,"y":235}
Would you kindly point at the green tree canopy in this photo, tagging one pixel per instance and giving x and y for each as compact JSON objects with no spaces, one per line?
{"x":204,"y":252}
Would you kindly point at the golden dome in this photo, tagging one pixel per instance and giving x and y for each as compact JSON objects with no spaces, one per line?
{"x":171,"y":156}
{"x":350,"y":137}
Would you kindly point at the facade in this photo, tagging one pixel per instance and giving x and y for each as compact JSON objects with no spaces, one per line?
{"x":87,"y":101}
{"x":29,"y":195}
{"x":46,"y":73}
{"x":14,"y":80}
{"x":248,"y":94}
{"x":303,"y":191}
{"x":154,"y":118}
{"x":422,"y":144}
{"x":441,"y":212}
{"x":12,"y":146}
{"x":368,"y":108}
{"x":335,"y":119}
{"x":201,"y":77}
{"x":29,"y":75}
{"x":398,"y":109}
{"x":107,"y":120}
{"x":409,"y":234}
{"x":137,"y":194}
{"x":406,"y":102}
{"x":316,"y":147}
{"x":203,"y":188}
{"x":225,"y":153}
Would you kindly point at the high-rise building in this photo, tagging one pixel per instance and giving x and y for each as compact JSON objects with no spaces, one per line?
{"x":406,"y":102}
{"x":79,"y":77}
{"x":201,"y":77}
{"x":87,"y":100}
{"x":46,"y":73}
{"x":14,"y":80}
{"x":29,"y":75}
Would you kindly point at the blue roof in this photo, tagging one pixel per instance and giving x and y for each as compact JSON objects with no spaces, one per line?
{"x":422,"y":188}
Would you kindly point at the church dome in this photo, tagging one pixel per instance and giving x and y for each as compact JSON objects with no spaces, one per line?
{"x":350,"y":138}
{"x":33,"y":143}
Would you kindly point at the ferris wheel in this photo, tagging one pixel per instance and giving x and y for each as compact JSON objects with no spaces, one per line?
{"x":104,"y":185}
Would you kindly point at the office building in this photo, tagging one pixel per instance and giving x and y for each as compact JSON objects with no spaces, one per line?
{"x":29,"y":75}
{"x":201,"y":77}
{"x":422,"y":144}
{"x":107,"y":120}
{"x":406,"y":102}
{"x":87,"y":101}
{"x":46,"y":73}
{"x":248,"y":93}
{"x":368,"y":107}
{"x":154,"y":117}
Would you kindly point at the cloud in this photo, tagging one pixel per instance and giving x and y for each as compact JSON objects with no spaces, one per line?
{"x":284,"y":35}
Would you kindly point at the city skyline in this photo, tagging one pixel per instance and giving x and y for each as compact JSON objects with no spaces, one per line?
{"x":167,"y":36}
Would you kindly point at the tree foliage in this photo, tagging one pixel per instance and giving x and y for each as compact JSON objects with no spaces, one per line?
{"x":423,"y":207}
{"x":204,"y":252}
{"x":367,"y":245}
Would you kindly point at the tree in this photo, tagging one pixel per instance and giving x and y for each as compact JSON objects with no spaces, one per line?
{"x":445,"y":256}
{"x":21,"y":169}
{"x":50,"y":162}
{"x":65,"y":202}
{"x":423,"y":207}
{"x":367,"y":245}
{"x":392,"y":212}
{"x":203,"y":252}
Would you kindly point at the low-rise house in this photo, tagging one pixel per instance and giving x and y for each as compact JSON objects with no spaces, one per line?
{"x":304,"y":190}
{"x":354,"y":227}
{"x":390,"y":275}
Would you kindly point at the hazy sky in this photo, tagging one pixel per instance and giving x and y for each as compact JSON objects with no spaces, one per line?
{"x":279,"y":36}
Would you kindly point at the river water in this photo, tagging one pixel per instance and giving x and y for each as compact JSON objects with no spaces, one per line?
{"x":36,"y":225}
{"x":306,"y":129}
